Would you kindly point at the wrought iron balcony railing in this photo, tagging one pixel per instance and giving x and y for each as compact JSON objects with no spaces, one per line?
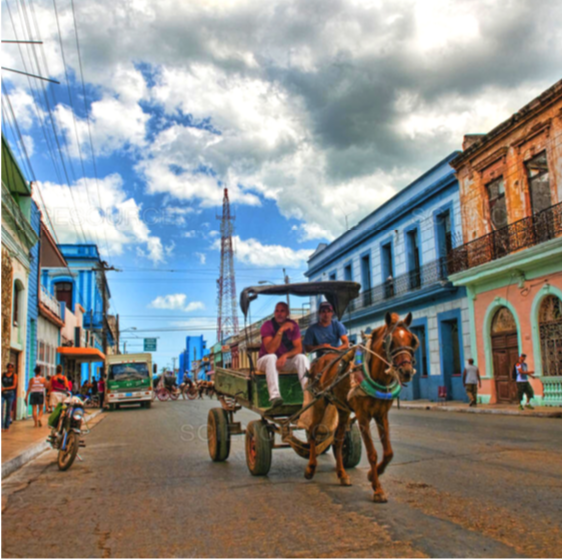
{"x":427,"y":275}
{"x":522,"y":234}
{"x":50,"y":302}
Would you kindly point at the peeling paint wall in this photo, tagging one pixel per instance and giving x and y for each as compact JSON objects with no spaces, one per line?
{"x":505,"y":156}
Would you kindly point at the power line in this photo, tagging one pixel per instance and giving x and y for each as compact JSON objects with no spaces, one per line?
{"x":31,"y":75}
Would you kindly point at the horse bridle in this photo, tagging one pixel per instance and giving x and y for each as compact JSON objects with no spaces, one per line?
{"x":393,"y":353}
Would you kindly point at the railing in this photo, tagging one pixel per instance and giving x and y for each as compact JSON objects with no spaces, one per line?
{"x":429,"y":274}
{"x":522,"y":234}
{"x":51,"y":303}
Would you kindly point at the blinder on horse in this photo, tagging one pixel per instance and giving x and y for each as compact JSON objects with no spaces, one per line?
{"x":393,"y":353}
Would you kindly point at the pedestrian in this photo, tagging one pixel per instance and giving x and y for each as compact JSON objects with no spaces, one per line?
{"x":9,"y":384}
{"x":36,"y":395}
{"x":471,"y":381}
{"x":101,"y":389}
{"x":58,"y":388}
{"x":521,"y":373}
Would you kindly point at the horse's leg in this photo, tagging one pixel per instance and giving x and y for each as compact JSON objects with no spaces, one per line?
{"x":317,"y":415}
{"x":364,"y":420}
{"x":338,"y":447}
{"x":384,"y":433}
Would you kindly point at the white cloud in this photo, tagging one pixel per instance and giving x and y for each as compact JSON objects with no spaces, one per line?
{"x":253,"y":252}
{"x":202,"y":257}
{"x":176,"y":302}
{"x":119,"y":224}
{"x":189,"y":234}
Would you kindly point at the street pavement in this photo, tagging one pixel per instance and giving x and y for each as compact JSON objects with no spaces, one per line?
{"x":460,"y":485}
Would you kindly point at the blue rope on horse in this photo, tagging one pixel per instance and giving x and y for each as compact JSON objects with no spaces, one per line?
{"x":376,"y":390}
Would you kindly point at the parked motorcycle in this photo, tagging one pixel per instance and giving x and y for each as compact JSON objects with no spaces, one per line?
{"x":66,"y":429}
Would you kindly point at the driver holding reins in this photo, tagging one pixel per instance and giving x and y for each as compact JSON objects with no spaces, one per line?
{"x":281,"y":350}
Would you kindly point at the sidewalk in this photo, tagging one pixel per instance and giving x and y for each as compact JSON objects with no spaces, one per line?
{"x":23,"y":442}
{"x":458,"y":406}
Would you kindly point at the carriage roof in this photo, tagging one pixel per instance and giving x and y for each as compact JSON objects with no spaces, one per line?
{"x":337,"y":292}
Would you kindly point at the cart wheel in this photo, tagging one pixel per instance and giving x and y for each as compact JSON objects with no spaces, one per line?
{"x":218,"y":438}
{"x":351,"y":450}
{"x":259,"y":445}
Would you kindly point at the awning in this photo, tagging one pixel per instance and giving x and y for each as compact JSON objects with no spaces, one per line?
{"x":81,"y":354}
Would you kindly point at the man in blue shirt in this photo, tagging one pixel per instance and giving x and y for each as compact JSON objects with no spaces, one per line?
{"x":326,"y":335}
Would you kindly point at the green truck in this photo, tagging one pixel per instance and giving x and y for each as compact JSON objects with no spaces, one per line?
{"x":129,"y":380}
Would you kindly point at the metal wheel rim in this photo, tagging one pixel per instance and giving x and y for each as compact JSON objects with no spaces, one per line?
{"x":252,"y":454}
{"x":65,"y":454}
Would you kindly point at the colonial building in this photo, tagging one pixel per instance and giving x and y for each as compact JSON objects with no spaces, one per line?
{"x":19,"y":216}
{"x":399,"y":256}
{"x":191,"y":359}
{"x":82,"y":288}
{"x":511,"y":260}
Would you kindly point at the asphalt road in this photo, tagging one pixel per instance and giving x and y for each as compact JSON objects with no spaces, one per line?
{"x":460,"y":485}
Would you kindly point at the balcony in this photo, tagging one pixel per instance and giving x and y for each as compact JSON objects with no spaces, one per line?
{"x":430,"y":274}
{"x":50,"y":302}
{"x":520,"y":235}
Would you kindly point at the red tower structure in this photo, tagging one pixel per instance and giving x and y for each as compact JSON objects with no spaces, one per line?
{"x":227,"y":321}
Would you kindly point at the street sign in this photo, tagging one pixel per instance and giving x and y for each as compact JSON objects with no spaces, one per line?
{"x":150,"y":345}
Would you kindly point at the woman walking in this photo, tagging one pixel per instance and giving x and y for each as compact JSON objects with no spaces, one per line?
{"x":9,"y":384}
{"x":36,"y":395}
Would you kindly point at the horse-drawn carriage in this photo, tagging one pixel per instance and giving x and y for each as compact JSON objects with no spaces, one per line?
{"x":344,"y":395}
{"x":247,"y":388}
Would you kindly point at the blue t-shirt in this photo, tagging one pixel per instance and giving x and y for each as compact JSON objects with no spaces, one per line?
{"x":317,"y":334}
{"x":522,"y":369}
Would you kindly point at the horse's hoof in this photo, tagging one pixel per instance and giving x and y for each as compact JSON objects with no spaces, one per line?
{"x":309,"y":473}
{"x":345,"y":481}
{"x":380,"y":497}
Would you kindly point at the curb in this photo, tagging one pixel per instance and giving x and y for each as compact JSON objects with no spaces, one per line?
{"x":28,"y":454}
{"x":506,"y":412}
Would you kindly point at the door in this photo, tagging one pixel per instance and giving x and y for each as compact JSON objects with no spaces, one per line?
{"x":505,"y":351}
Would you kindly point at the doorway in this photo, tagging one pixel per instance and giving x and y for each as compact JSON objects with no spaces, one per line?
{"x":505,"y":352}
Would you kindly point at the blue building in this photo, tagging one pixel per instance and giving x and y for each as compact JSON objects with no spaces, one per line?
{"x":398,"y":255}
{"x":82,"y":284}
{"x":195,"y":350}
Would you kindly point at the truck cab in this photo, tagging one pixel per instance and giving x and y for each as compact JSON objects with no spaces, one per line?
{"x":129,"y":380}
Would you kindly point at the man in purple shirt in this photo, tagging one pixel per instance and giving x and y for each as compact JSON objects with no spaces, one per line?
{"x":281,"y":350}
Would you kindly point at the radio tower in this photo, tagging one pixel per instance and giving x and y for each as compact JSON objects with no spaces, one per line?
{"x":227,"y":322}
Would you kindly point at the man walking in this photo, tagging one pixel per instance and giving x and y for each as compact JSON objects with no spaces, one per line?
{"x":328,"y":334}
{"x":523,"y":386}
{"x":101,"y":389}
{"x":36,"y":395}
{"x":9,"y":384}
{"x":471,"y":381}
{"x":281,"y":350}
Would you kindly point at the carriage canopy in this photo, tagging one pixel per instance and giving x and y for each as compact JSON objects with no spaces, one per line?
{"x":338,"y":293}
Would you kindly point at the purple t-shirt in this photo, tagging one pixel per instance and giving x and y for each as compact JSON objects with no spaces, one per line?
{"x":268,"y":330}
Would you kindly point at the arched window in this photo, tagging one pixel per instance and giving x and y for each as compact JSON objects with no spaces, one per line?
{"x":550,"y":325}
{"x":17,"y":299}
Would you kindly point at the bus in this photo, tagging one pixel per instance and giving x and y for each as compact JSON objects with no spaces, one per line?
{"x":129,"y":380}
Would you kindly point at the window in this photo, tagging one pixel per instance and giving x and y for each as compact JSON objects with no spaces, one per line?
{"x":413,"y":254}
{"x":332,"y":276}
{"x":16,"y":298}
{"x":347,"y":273}
{"x":63,"y":293}
{"x":451,"y":347}
{"x":421,"y":352}
{"x":539,"y":183}
{"x":496,"y":203}
{"x":366,"y":279}
{"x":444,"y":234}
{"x":387,"y":270}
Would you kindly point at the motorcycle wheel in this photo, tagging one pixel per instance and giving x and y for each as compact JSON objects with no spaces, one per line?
{"x":163,"y":395}
{"x":66,"y":458}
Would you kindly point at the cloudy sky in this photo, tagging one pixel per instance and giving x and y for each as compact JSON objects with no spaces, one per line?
{"x":312,"y":113}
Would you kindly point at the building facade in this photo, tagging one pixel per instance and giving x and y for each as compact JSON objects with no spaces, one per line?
{"x":511,"y":260}
{"x":399,"y":256}
{"x":191,"y":359}
{"x":19,"y":237}
{"x":83,"y":290}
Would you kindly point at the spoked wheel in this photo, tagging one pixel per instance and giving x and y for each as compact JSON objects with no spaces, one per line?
{"x":163,"y":395}
{"x":66,"y":457}
{"x":259,"y":445}
{"x":192,"y":393}
{"x":174,"y":395}
{"x":351,"y":449}
{"x":218,"y":436}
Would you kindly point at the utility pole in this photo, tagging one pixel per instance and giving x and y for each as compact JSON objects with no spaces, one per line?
{"x":103,"y":268}
{"x":287,"y":280}
{"x":118,"y":333}
{"x":125,"y":347}
{"x":173,"y":364}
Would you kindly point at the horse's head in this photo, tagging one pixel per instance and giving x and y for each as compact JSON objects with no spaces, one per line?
{"x":400,"y":345}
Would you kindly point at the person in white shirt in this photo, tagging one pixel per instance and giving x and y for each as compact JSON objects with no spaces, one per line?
{"x":471,"y":381}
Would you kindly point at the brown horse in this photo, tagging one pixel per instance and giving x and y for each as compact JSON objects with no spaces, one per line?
{"x":396,"y":344}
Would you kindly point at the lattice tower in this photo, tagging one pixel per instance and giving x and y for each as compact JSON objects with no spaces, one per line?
{"x":227,"y":322}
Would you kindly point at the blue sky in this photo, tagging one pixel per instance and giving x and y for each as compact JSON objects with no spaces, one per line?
{"x":312,"y":114}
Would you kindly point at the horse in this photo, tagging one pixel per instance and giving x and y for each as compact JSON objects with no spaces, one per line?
{"x":369,"y":395}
